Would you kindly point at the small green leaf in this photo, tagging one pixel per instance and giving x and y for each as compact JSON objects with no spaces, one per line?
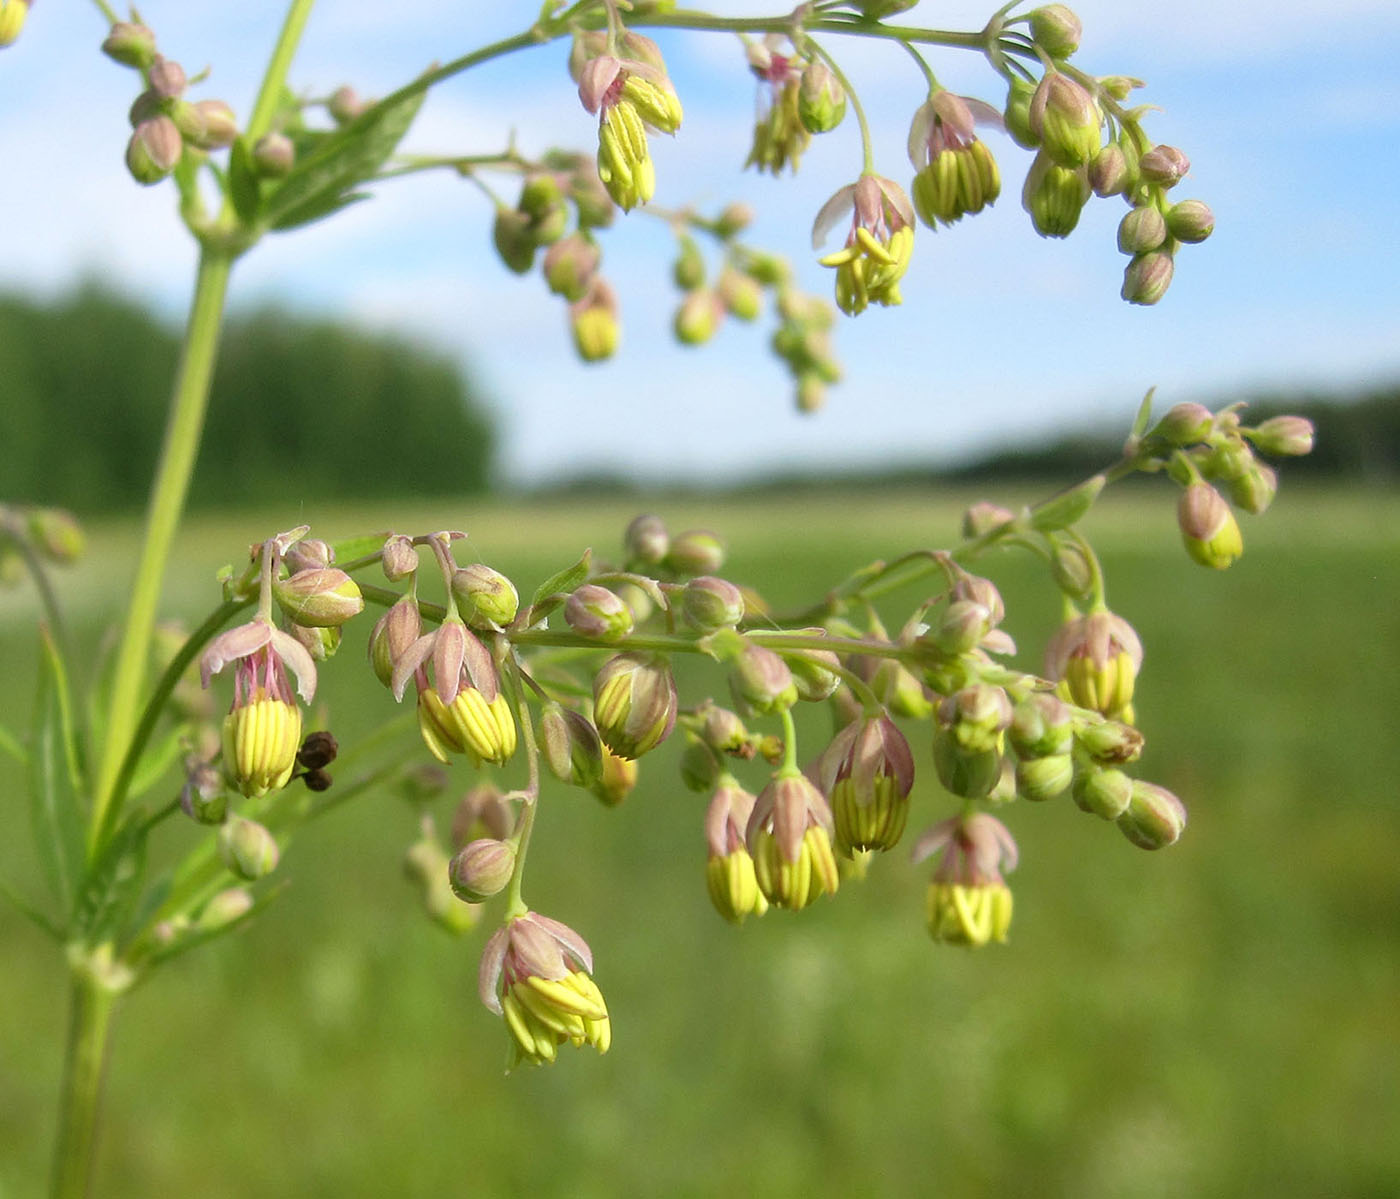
{"x":565,"y":581}
{"x":243,"y":186}
{"x":1144,"y":416}
{"x":112,"y":884}
{"x":158,"y":758}
{"x":54,"y":777}
{"x":319,"y":181}
{"x":1061,"y":511}
{"x":351,"y":549}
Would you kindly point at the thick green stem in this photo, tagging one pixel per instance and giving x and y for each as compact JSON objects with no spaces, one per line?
{"x":275,"y":78}
{"x":93,"y":997}
{"x":177,"y":458}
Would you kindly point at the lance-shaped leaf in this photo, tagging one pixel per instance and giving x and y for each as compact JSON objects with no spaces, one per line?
{"x":322,"y":181}
{"x":560,"y":585}
{"x":55,"y":777}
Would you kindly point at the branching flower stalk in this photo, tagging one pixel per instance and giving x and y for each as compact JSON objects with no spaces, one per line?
{"x":578,"y":681}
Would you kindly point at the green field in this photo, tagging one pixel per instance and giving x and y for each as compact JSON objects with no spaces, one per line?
{"x":1222,"y":1018}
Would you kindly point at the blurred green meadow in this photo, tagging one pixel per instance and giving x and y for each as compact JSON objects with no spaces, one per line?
{"x":1220,"y":1018}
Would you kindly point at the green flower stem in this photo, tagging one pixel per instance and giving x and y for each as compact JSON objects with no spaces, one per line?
{"x":687,"y":19}
{"x":275,"y":78}
{"x":182,"y":434}
{"x":789,"y":766}
{"x":107,"y":11}
{"x":156,"y":704}
{"x":93,"y":997}
{"x":515,"y":901}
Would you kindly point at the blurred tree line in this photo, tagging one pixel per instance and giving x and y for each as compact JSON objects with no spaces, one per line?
{"x":301,"y":409}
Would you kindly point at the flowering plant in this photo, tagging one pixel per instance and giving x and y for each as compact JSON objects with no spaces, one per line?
{"x":578,"y":680}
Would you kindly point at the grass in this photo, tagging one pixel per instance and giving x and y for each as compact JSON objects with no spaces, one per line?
{"x":1219,"y":1018}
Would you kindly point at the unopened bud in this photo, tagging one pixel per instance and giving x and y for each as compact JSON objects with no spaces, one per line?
{"x":814,"y":671}
{"x":1283,"y":436}
{"x":203,"y":798}
{"x":318,"y":750}
{"x":646,"y":540}
{"x":1142,"y":229}
{"x":344,"y":105}
{"x":130,"y":44}
{"x":594,"y":323}
{"x":218,"y":127}
{"x":224,"y":909}
{"x":274,"y":155}
{"x":1190,"y":221}
{"x":1147,"y":277}
{"x":1108,"y":171}
{"x":1104,"y":793}
{"x":741,"y":296}
{"x":1110,"y":742}
{"x":154,"y":150}
{"x":699,"y":767}
{"x":487,"y":598}
{"x":322,"y":598}
{"x":688,"y":271}
{"x":697,"y":317}
{"x":634,"y":703}
{"x":1041,"y":726}
{"x":710,"y":603}
{"x":514,"y":239}
{"x":1066,"y":119}
{"x":569,"y":265}
{"x":572,"y":749}
{"x":1054,"y":196}
{"x":821,"y":100}
{"x":761,"y":681}
{"x":399,"y":559}
{"x":1154,"y":819}
{"x":1164,"y":165}
{"x":1017,"y":114}
{"x":596,"y":612}
{"x":481,"y":869}
{"x":695,"y":552}
{"x":1185,"y":424}
{"x":1056,"y":30}
{"x":1208,"y":527}
{"x":56,"y":534}
{"x":982,"y":518}
{"x":1039,"y":779}
{"x":167,"y":78}
{"x":734,"y":220}
{"x":247,"y":848}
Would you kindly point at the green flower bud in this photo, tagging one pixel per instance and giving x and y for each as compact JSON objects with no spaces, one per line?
{"x":542,"y":200}
{"x":1109,"y":742}
{"x":761,"y":681}
{"x":1066,"y":119}
{"x":813,"y":670}
{"x":1208,"y":527}
{"x":688,"y":271}
{"x":130,"y":44}
{"x":1108,"y":171}
{"x":320,"y":643}
{"x":487,"y":598}
{"x":1071,"y":571}
{"x":983,"y":517}
{"x":1056,"y":30}
{"x":741,"y":296}
{"x":572,"y":749}
{"x":868,"y":772}
{"x":398,"y":559}
{"x":1147,"y":277}
{"x":646,"y":540}
{"x":1190,"y":221}
{"x":569,"y":265}
{"x":1039,"y":779}
{"x":274,"y":155}
{"x":322,"y":598}
{"x":733,"y":220}
{"x":154,"y":150}
{"x":1096,"y":659}
{"x":596,"y":612}
{"x":1254,"y":490}
{"x":1154,"y":819}
{"x":1185,"y":424}
{"x":1283,"y":436}
{"x":697,"y":317}
{"x":1104,"y":793}
{"x":247,"y":848}
{"x":391,"y":636}
{"x":700,"y":769}
{"x":514,"y":239}
{"x":821,"y":100}
{"x":203,"y":798}
{"x":217,"y":126}
{"x":56,"y":535}
{"x":634,"y":703}
{"x":1142,"y":229}
{"x":345,"y":105}
{"x":166,"y":78}
{"x":481,"y":869}
{"x":968,"y":773}
{"x":709,"y":603}
{"x":695,"y":552}
{"x":1017,"y":114}
{"x":223,"y":910}
{"x":1163,"y":165}
{"x":593,"y":320}
{"x":1041,"y":726}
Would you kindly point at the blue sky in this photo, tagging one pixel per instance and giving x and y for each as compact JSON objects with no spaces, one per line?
{"x":1290,"y":114}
